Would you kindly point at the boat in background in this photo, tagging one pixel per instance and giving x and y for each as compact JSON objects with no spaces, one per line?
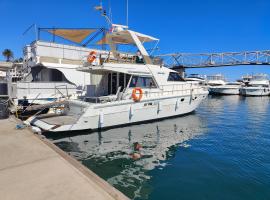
{"x":246,"y":79}
{"x":215,"y":80}
{"x":49,"y":68}
{"x":201,"y":79}
{"x":257,"y":86}
{"x":230,"y":88}
{"x":217,"y":85}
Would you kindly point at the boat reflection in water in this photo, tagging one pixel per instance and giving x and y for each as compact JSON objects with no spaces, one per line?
{"x":108,"y":153}
{"x":257,"y":105}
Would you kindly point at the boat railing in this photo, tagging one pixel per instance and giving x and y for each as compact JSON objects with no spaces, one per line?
{"x":259,"y":78}
{"x":163,"y":91}
{"x":170,"y":90}
{"x":25,"y":88}
{"x":58,"y":90}
{"x":108,"y":57}
{"x":120,"y":58}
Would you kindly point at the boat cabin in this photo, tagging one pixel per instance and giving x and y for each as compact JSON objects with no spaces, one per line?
{"x":258,"y":80}
{"x":215,"y":80}
{"x":115,"y":74}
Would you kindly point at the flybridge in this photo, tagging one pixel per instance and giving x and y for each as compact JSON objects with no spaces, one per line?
{"x":118,"y":35}
{"x":84,"y":36}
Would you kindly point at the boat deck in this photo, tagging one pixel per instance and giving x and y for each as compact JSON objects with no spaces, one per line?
{"x":60,"y":120}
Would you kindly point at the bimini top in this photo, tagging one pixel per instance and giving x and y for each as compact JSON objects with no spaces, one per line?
{"x":74,"y":35}
{"x":119,"y":34}
{"x":124,"y":37}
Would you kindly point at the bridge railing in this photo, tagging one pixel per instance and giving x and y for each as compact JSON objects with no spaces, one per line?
{"x":189,"y":60}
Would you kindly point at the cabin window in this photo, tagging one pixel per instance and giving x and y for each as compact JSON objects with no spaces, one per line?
{"x":115,"y":81}
{"x":121,"y":81}
{"x":174,"y":76}
{"x":143,"y":82}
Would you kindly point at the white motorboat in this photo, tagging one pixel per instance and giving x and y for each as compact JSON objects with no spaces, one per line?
{"x":230,"y":88}
{"x":215,"y":80}
{"x":124,"y":89}
{"x":217,"y":85}
{"x":257,"y":86}
{"x":50,"y":67}
{"x":197,"y":78}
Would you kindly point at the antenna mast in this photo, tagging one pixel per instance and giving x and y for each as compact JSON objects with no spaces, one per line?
{"x":103,"y":13}
{"x":127,"y":13}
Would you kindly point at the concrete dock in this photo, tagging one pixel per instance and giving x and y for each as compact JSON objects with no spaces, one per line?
{"x":31,"y":167}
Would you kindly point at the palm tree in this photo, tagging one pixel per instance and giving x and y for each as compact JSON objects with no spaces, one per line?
{"x":8,"y":54}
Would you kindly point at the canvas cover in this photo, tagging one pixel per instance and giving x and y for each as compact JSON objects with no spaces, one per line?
{"x":74,"y":35}
{"x":124,"y":37}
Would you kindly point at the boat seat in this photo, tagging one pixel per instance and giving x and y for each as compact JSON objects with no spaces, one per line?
{"x":110,"y":98}
{"x":107,"y":98}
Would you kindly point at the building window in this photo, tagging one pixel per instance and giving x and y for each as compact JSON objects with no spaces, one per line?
{"x":174,"y":76}
{"x":143,"y":82}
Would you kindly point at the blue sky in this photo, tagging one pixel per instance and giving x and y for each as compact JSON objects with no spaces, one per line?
{"x":193,"y":26}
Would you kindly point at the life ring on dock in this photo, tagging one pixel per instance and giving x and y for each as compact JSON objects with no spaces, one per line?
{"x":134,"y":94}
{"x":92,"y":56}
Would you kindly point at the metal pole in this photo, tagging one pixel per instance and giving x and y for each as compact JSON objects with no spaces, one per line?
{"x":53,"y":34}
{"x":36,"y":32}
{"x":127,"y":13}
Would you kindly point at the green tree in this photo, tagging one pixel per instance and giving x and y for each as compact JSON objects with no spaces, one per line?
{"x":8,"y":54}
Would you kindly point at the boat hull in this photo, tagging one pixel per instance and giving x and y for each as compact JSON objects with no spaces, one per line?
{"x":222,"y":90}
{"x":255,"y":91}
{"x":124,"y":113}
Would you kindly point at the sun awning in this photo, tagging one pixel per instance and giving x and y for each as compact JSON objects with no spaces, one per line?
{"x":74,"y":35}
{"x":124,"y":37}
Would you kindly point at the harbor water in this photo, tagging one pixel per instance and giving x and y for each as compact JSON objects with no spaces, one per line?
{"x":220,"y":151}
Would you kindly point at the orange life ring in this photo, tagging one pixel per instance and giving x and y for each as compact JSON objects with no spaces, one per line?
{"x":134,"y":94}
{"x":92,"y":56}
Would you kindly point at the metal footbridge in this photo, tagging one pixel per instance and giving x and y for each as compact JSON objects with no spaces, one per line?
{"x":203,"y":60}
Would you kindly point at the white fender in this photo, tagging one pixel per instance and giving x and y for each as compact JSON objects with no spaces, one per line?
{"x":35,"y":129}
{"x":177,"y":104}
{"x":159,"y":107}
{"x":131,"y":112}
{"x":101,"y":119}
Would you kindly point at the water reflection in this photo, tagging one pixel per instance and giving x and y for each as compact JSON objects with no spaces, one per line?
{"x":108,"y":153}
{"x":216,"y":104}
{"x":257,"y":104}
{"x":254,"y":104}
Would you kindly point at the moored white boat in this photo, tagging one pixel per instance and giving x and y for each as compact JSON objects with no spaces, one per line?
{"x":218,"y":86}
{"x":215,"y":80}
{"x":125,"y":89}
{"x":196,"y":78}
{"x":230,"y":88}
{"x":257,"y":86}
{"x":50,"y":68}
